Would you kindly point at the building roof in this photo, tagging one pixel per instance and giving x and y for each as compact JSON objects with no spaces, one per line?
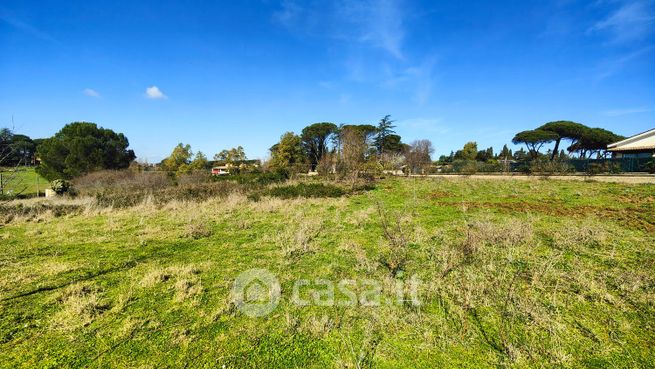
{"x":638,"y":142}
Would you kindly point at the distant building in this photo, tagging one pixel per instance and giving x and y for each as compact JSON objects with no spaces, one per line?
{"x":221,"y":170}
{"x":637,"y":146}
{"x":220,"y":167}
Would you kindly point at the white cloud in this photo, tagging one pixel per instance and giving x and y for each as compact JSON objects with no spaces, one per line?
{"x":358,"y":27}
{"x":627,"y":111}
{"x":418,"y":78}
{"x":377,"y":23}
{"x":613,"y":66}
{"x":633,"y":20}
{"x":91,"y":92}
{"x":155,"y":93}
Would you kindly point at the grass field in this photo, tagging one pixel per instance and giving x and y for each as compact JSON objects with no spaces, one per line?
{"x":515,"y":274}
{"x":24,"y":181}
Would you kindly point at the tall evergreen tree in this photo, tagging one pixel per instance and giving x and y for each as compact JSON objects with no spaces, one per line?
{"x":384,"y":130}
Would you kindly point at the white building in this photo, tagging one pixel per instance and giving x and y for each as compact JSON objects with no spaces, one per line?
{"x":638,"y":146}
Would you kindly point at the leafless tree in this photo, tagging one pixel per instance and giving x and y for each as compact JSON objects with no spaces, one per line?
{"x":418,"y":155}
{"x":11,"y":183}
{"x":353,"y":151}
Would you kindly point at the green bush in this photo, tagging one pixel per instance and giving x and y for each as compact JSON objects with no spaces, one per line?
{"x":60,"y":186}
{"x":603,"y":167}
{"x":465,"y":166}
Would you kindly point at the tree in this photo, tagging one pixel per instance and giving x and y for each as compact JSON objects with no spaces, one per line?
{"x":520,"y":155}
{"x":367,"y":131}
{"x":6,"y":151}
{"x":384,"y":130}
{"x":485,"y":155}
{"x":179,"y":159}
{"x":393,"y":144}
{"x":505,"y":153}
{"x":16,"y":149}
{"x":23,"y":149}
{"x":199,"y":162}
{"x":418,"y":155}
{"x":354,"y":147}
{"x":288,"y":153}
{"x":468,"y":152}
{"x":534,"y":140}
{"x":594,"y":140}
{"x":232,"y":155}
{"x":80,"y":148}
{"x":565,"y":130}
{"x":315,"y":140}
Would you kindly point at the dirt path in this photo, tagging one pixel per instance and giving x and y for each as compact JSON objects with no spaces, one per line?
{"x":621,"y":178}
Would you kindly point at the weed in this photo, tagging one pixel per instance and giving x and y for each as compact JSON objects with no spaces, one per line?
{"x":396,"y":255}
{"x":198,"y":229}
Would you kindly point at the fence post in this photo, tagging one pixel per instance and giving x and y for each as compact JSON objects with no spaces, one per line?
{"x":2,"y":187}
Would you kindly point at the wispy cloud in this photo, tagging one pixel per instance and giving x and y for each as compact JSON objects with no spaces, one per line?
{"x":155,"y":93}
{"x":419,"y":78}
{"x":25,"y":27}
{"x":377,"y":23}
{"x":626,"y":111}
{"x":371,"y":34}
{"x":633,"y":20}
{"x":614,"y":66}
{"x":91,"y":92}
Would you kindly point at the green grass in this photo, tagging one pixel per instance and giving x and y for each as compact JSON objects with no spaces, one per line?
{"x":514,"y":274}
{"x":24,"y":181}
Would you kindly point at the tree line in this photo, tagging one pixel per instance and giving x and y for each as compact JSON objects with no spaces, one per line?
{"x":344,"y":150}
{"x":583,"y":140}
{"x":349,"y":149}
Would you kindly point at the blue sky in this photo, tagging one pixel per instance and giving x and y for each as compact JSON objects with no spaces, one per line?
{"x":216,"y":74}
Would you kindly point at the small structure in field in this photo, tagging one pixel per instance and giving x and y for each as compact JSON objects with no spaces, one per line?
{"x":641,"y":145}
{"x":222,"y":170}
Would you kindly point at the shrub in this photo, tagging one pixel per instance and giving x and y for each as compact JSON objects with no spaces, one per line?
{"x":596,"y":168}
{"x":194,"y":177}
{"x":256,"y":179}
{"x":60,"y":186}
{"x":306,"y":190}
{"x":469,"y":167}
{"x":539,"y":166}
{"x":650,"y":166}
{"x":396,"y":255}
{"x":95,"y":182}
{"x":122,"y":198}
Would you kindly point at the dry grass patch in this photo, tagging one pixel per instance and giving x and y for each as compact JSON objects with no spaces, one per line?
{"x":573,"y":235}
{"x":298,"y":239}
{"x":187,"y":280}
{"x":197,"y":229}
{"x":81,"y":303}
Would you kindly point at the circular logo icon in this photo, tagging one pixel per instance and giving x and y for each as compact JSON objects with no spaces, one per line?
{"x":256,"y":292}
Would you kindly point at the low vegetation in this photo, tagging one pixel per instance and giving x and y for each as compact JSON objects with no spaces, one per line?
{"x":540,"y":273}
